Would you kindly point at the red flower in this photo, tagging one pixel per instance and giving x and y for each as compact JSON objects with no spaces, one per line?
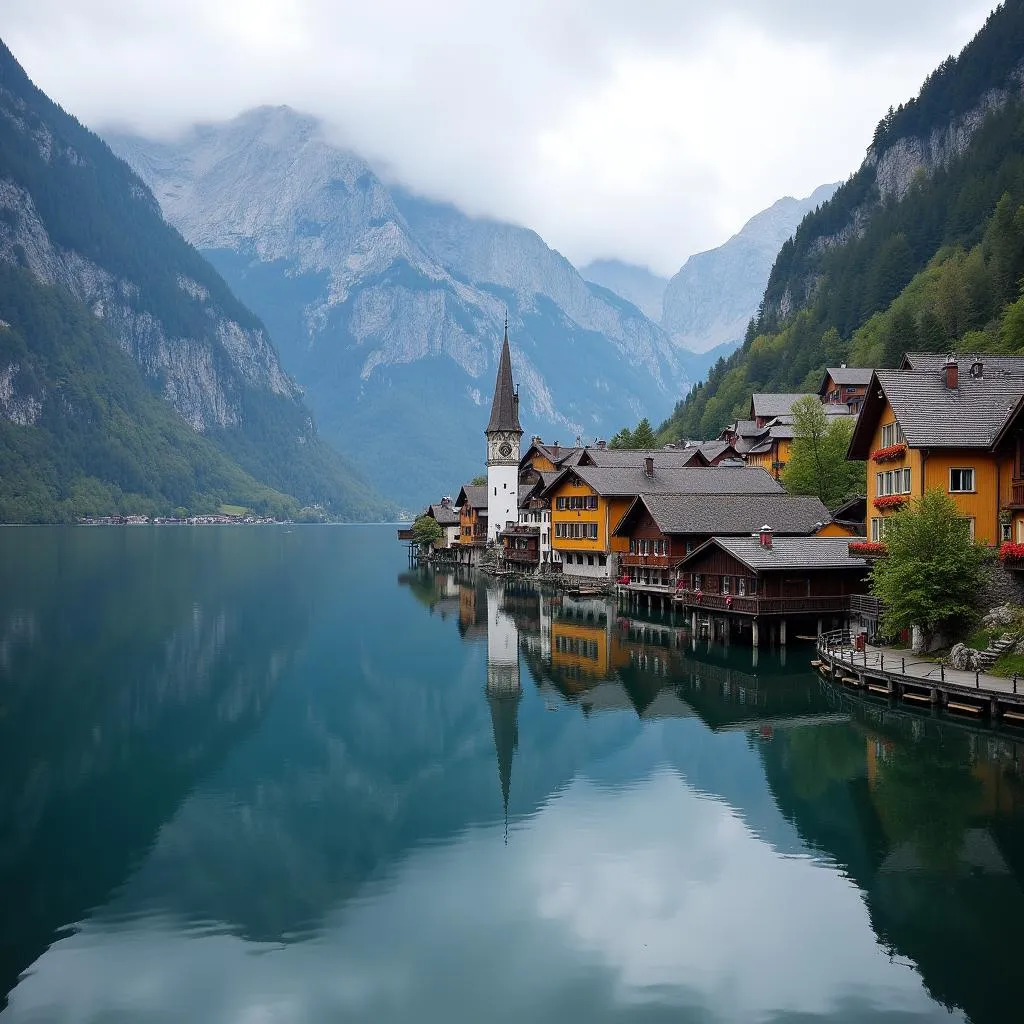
{"x":890,"y":501}
{"x":867,"y":548}
{"x":1010,"y":552}
{"x":893,"y":451}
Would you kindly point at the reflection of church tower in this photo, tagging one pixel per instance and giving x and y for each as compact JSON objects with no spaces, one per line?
{"x":503,"y":436}
{"x":503,"y":689}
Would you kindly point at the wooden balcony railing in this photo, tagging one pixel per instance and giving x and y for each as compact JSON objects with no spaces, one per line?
{"x":654,"y":561}
{"x":765,"y":605}
{"x":1017,"y":493}
{"x":527,"y":557}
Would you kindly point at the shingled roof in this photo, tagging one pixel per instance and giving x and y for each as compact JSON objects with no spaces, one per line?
{"x":846,"y":376}
{"x":974,"y":414}
{"x":505,"y":407}
{"x":785,"y":553}
{"x":624,"y":458}
{"x":629,"y":482}
{"x":727,"y":513}
{"x":474,"y":495}
{"x":772,"y":405}
{"x":445,"y":515}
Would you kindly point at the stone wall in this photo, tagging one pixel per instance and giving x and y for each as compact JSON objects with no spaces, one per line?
{"x":1000,"y":586}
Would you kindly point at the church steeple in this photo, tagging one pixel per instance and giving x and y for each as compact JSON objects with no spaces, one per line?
{"x":505,"y":407}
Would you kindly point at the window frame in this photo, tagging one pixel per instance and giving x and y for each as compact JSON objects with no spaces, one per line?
{"x":963,"y":490}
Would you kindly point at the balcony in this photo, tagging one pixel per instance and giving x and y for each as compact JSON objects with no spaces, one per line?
{"x":758,"y":606}
{"x":1017,"y":494}
{"x":650,"y":561}
{"x":529,"y":556}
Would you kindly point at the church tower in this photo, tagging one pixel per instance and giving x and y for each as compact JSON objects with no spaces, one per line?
{"x":503,"y":436}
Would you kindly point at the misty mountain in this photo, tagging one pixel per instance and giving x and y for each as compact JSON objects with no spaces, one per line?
{"x":713,"y":297}
{"x":131,"y":379}
{"x":388,"y":308}
{"x":638,"y":285}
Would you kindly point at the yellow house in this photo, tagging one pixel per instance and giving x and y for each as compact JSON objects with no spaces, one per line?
{"x":771,"y":453}
{"x":588,"y":502}
{"x":950,"y":424}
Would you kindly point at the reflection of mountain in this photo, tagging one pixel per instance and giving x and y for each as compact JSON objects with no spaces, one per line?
{"x":140,"y":657}
{"x":929,"y":828}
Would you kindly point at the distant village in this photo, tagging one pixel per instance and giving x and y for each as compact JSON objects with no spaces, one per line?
{"x":707,"y":526}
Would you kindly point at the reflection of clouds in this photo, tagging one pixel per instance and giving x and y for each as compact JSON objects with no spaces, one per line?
{"x":602,"y":902}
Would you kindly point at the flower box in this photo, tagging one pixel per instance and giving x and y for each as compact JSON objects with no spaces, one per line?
{"x":893,"y":451}
{"x":867,"y":549}
{"x":890,"y":501}
{"x":1010,"y":552}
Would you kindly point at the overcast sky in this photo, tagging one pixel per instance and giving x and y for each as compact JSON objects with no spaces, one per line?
{"x":641,"y":129}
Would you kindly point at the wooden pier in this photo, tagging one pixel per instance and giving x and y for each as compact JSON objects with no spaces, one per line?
{"x":903,"y":678}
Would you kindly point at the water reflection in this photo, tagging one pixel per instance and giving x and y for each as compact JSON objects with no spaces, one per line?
{"x":459,"y":800}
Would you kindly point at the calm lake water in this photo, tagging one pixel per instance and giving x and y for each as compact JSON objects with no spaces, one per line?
{"x":272,"y":774}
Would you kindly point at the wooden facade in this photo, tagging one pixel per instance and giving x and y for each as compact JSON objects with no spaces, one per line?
{"x":521,"y":545}
{"x":597,"y":519}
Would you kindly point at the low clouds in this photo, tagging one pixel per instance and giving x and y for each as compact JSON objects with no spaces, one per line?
{"x":645,"y":130}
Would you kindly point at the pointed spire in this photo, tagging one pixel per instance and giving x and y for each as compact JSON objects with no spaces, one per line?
{"x":505,"y":723}
{"x":505,"y":407}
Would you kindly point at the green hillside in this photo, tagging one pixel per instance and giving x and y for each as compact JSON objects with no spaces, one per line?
{"x":852,"y":258}
{"x":96,"y":211}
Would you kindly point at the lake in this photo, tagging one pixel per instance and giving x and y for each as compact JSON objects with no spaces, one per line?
{"x":262,"y":774}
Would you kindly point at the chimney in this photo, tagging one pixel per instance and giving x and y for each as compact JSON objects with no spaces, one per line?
{"x":952,"y":373}
{"x":649,"y":466}
{"x":446,"y":501}
{"x":601,"y":444}
{"x":536,"y":439}
{"x":977,"y":368}
{"x":766,"y":537}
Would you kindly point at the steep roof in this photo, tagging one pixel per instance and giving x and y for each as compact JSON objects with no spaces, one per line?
{"x":772,"y":405}
{"x":785,"y":553}
{"x":972,"y":415}
{"x":1013,"y":365}
{"x":624,"y":458}
{"x":728,"y":513}
{"x":711,"y":450}
{"x":505,"y":407}
{"x":445,"y":515}
{"x":474,"y":495}
{"x":628,"y":482}
{"x":846,"y":376}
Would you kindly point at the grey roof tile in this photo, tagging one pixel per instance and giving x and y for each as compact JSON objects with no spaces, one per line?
{"x":774,"y":405}
{"x":734,"y":513}
{"x":786,"y":553}
{"x":847,"y":376}
{"x":625,"y":482}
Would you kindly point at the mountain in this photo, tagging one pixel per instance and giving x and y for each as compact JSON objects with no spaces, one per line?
{"x":131,"y":378}
{"x":635,"y":284}
{"x":923,"y":247}
{"x":711,"y":300}
{"x":388,"y":307}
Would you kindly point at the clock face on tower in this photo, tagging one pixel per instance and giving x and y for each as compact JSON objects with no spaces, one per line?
{"x":505,"y":449}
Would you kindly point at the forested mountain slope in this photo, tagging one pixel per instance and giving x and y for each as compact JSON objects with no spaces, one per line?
{"x":929,"y":186}
{"x":96,"y":287}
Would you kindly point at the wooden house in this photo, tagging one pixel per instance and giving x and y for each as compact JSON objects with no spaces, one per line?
{"x":587,"y":503}
{"x":952,"y":424}
{"x":448,"y":517}
{"x":775,"y":578}
{"x":472,"y":506}
{"x":845,"y":385}
{"x":766,"y":407}
{"x":661,"y":529}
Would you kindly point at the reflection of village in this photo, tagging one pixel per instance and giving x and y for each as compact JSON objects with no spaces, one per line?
{"x":925,"y":816}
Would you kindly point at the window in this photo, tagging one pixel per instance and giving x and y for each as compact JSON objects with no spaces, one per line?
{"x":876,"y":530}
{"x":741,"y":586}
{"x":879,"y":484}
{"x":495,"y":491}
{"x":590,"y":559}
{"x":891,"y":434}
{"x":726,"y":584}
{"x":696,"y":581}
{"x":1005,"y":532}
{"x":906,"y":480}
{"x":601,"y":560}
{"x":961,"y":481}
{"x":752,"y":586}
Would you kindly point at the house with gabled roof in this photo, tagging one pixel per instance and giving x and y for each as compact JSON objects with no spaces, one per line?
{"x":633,"y":458}
{"x":588,"y":501}
{"x":661,"y":529}
{"x":952,"y":424}
{"x":764,"y":579}
{"x":472,"y":505}
{"x":447,"y":516}
{"x":845,"y":385}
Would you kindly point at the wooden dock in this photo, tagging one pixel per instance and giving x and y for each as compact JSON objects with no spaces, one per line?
{"x":900,"y":678}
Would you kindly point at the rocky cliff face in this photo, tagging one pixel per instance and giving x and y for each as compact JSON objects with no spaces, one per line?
{"x":388,"y":308}
{"x":711,"y":300}
{"x":635,"y":284}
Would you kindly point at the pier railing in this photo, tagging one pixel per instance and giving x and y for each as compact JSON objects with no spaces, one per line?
{"x":747,"y":605}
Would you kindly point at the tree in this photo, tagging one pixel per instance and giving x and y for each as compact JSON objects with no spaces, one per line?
{"x":426,"y":531}
{"x":480,"y":480}
{"x":931,"y":574}
{"x":817,"y":463}
{"x":642,"y":437}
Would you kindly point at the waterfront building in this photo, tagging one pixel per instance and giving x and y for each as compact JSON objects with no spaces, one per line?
{"x":504,"y":433}
{"x":947,"y":423}
{"x":472,"y":505}
{"x":661,"y":529}
{"x":447,"y":516}
{"x":587,"y":503}
{"x":764,"y":578}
